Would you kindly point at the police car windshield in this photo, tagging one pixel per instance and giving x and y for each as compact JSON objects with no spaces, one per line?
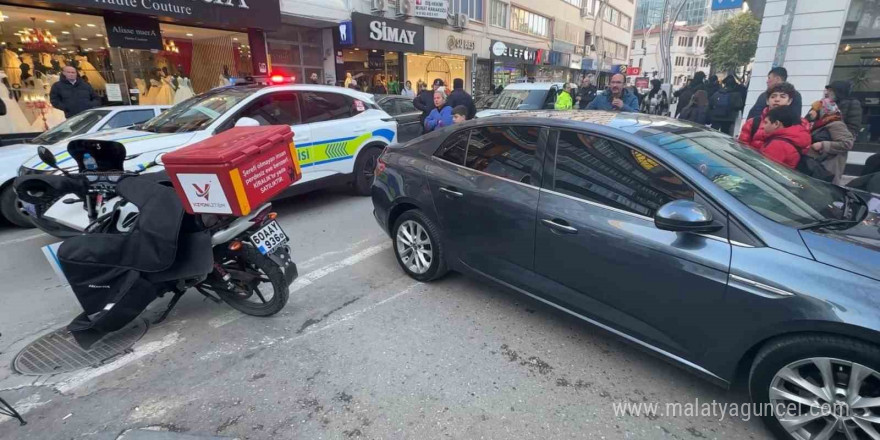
{"x":198,"y":112}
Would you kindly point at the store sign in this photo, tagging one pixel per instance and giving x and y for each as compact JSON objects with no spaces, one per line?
{"x":456,"y":43}
{"x":558,"y":59}
{"x":720,"y":5}
{"x":587,"y":64}
{"x":575,"y":62}
{"x":431,"y":9}
{"x":514,"y":52}
{"x":371,"y":32}
{"x":633,"y":71}
{"x":260,"y":14}
{"x":619,"y":68}
{"x":562,"y":46}
{"x":346,"y":33}
{"x":133,"y":32}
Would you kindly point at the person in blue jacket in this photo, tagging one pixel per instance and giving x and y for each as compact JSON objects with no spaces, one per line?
{"x":441,"y":115}
{"x":616,"y":98}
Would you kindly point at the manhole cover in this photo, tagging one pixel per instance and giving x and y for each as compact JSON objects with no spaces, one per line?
{"x":58,"y":352}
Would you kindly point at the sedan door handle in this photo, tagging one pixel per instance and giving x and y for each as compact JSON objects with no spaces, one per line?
{"x":556,"y":226}
{"x":451,"y":192}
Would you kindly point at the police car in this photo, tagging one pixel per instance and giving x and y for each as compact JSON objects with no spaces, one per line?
{"x":339,"y":133}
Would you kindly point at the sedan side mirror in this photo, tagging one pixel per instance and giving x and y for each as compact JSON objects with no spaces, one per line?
{"x":247,"y":122}
{"x":47,"y":157}
{"x":685,"y":216}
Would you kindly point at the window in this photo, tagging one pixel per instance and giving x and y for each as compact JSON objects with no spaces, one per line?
{"x":529,"y":22}
{"x":274,"y":109}
{"x":498,"y":13}
{"x":473,"y":8}
{"x":606,"y":172}
{"x":691,"y":42}
{"x":625,"y":21}
{"x":405,"y":106}
{"x":505,"y":151}
{"x":633,"y":44}
{"x":640,"y":65}
{"x":199,"y":112}
{"x":615,"y":17}
{"x":577,"y":3}
{"x":643,"y":44}
{"x":606,"y":13}
{"x":621,"y":51}
{"x":325,"y":106}
{"x":130,"y":117}
{"x":73,"y":126}
{"x":388,"y":106}
{"x":454,"y":148}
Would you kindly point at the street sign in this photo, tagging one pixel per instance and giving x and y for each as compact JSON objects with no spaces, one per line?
{"x":720,"y":5}
{"x":633,"y":71}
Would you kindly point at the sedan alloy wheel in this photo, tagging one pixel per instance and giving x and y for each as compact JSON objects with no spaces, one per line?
{"x":414,"y":247}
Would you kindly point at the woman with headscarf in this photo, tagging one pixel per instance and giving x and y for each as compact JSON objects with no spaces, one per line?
{"x":698,"y":109}
{"x":832,"y":140}
{"x":441,"y":115}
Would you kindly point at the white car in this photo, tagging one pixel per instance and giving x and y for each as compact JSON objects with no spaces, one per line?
{"x":523,"y":96}
{"x":339,"y":134}
{"x":89,"y":121}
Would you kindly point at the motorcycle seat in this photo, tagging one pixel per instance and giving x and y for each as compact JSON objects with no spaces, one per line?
{"x":194,"y":258}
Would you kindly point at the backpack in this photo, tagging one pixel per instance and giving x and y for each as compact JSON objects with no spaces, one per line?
{"x":720,"y":104}
{"x":810,"y":166}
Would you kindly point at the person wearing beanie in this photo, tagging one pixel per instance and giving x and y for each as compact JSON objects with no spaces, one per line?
{"x":460,"y":97}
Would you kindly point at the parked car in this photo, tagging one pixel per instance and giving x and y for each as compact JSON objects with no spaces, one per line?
{"x":667,"y":234}
{"x":89,"y":121}
{"x":338,"y":134}
{"x":523,"y":96}
{"x":404,"y":112}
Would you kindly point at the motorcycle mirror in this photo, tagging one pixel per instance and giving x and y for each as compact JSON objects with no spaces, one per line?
{"x":47,"y":157}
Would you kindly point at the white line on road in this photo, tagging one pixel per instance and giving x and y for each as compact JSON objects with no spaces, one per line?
{"x":224,"y":319}
{"x":23,"y":239}
{"x":313,"y":260}
{"x":355,"y":314}
{"x":78,"y":379}
{"x":317,"y":274}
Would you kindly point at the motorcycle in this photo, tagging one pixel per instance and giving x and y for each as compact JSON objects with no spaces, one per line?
{"x":140,"y":243}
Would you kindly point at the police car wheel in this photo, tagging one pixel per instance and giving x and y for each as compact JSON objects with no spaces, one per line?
{"x":365,"y":170}
{"x":12,"y":212}
{"x":417,"y":246}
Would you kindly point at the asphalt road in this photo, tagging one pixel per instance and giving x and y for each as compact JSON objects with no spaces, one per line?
{"x":361,"y":351}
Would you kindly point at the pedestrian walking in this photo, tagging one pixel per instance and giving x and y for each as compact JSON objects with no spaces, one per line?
{"x":777,"y":75}
{"x":724,"y":105}
{"x":784,"y":137}
{"x":407,"y":90}
{"x":424,"y":100}
{"x":460,"y":97}
{"x":831,"y":138}
{"x":850,"y":108}
{"x":697,"y":110}
{"x":752,"y":132}
{"x":72,"y":95}
{"x":586,"y":93}
{"x":685,"y":94}
{"x":616,"y":97}
{"x":657,"y":102}
{"x":441,"y":114}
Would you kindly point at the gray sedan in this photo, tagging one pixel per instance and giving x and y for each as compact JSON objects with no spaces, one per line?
{"x":671,"y":236}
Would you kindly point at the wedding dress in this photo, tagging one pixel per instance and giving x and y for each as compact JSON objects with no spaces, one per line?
{"x":14,"y":121}
{"x":95,"y":79}
{"x":184,"y":90}
{"x":12,"y":67}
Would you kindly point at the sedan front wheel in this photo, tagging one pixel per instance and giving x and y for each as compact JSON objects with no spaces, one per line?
{"x":417,"y":246}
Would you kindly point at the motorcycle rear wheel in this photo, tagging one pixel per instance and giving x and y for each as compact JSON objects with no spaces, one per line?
{"x":249,"y":270}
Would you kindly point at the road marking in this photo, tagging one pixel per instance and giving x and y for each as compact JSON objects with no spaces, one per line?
{"x":224,"y":319}
{"x":23,"y":239}
{"x":311,"y":277}
{"x":355,"y":314}
{"x":78,"y":379}
{"x":25,"y":406}
{"x":313,"y":260}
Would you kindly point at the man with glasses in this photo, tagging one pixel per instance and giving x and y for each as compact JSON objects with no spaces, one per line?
{"x":616,"y":97}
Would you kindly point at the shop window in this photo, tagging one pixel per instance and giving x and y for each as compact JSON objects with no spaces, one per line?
{"x":325,"y":106}
{"x":274,"y":109}
{"x":127,"y":118}
{"x":498,"y":11}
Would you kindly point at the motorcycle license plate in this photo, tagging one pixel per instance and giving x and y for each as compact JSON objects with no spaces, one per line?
{"x":269,"y":237}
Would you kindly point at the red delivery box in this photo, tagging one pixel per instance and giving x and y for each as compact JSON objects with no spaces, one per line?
{"x":235,"y":171}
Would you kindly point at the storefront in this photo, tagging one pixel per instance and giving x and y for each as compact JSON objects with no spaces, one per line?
{"x":556,"y":68}
{"x":370,"y":52}
{"x":512,"y":63}
{"x":298,"y":52}
{"x":450,"y":55}
{"x":129,"y":52}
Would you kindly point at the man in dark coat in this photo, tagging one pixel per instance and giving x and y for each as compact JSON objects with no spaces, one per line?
{"x":72,"y":95}
{"x":424,"y":101}
{"x":685,"y":94}
{"x":850,"y":108}
{"x":724,"y":106}
{"x":586,"y":93}
{"x":460,"y":97}
{"x":777,"y":75}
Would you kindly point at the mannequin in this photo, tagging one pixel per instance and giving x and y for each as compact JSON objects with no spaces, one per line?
{"x":347,"y":79}
{"x":14,"y":121}
{"x":90,"y":73}
{"x":12,"y":67}
{"x":160,"y":92}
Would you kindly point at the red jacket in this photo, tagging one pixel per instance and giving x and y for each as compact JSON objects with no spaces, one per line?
{"x":756,"y":142}
{"x":788,"y":151}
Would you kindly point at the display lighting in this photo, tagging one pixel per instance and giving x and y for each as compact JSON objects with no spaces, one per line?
{"x":37,"y":40}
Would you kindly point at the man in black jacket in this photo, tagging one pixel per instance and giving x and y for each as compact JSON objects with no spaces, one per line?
{"x":424,"y":101}
{"x":586,"y":93}
{"x":777,"y":75}
{"x":460,"y":97}
{"x":72,"y":95}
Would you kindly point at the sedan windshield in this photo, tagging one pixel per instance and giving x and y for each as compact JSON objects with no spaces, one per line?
{"x":775,"y":191}
{"x":520,"y":100}
{"x":198,"y":112}
{"x":76,"y":125}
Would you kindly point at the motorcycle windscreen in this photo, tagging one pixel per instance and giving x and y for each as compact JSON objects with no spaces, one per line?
{"x":108,"y":155}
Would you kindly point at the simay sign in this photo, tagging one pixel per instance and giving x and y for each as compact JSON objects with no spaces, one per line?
{"x":238,"y":14}
{"x":372,"y":32}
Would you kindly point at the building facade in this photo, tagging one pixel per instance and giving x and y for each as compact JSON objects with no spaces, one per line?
{"x":820,"y":41}
{"x":688,"y":53}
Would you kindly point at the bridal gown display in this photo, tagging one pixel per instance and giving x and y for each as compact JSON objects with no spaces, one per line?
{"x":12,"y":67}
{"x":184,"y":90}
{"x":95,"y":79}
{"x":14,"y":121}
{"x":53,"y":115}
{"x":160,"y":93}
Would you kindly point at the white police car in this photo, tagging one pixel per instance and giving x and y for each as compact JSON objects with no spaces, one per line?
{"x":339,"y":133}
{"x":89,"y":121}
